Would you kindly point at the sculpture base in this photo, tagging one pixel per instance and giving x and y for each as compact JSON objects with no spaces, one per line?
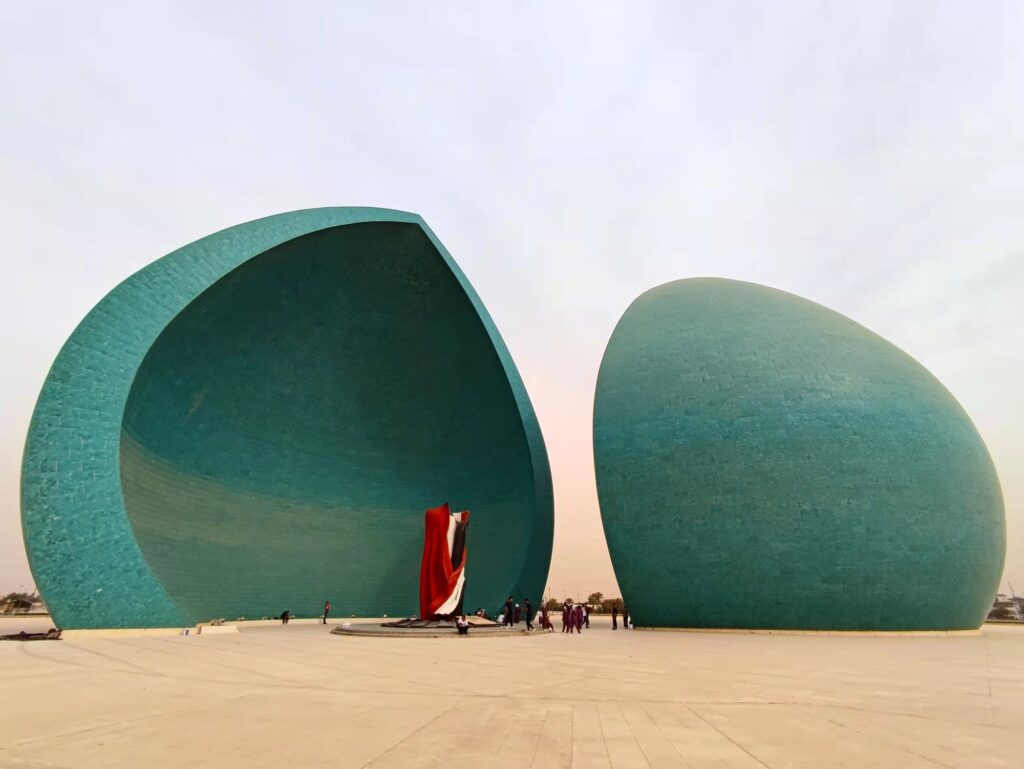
{"x":419,"y":623}
{"x":430,"y":628}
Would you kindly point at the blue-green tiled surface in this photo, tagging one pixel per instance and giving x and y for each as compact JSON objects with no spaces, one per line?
{"x":765,"y":462}
{"x":257,"y":421}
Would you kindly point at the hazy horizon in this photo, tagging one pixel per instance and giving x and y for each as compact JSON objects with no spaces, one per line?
{"x":870,"y":159}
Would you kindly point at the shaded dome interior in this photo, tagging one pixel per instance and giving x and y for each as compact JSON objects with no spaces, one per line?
{"x":286,"y":431}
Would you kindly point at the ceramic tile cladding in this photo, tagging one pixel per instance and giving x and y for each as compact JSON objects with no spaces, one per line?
{"x":257,"y":421}
{"x":764,"y":462}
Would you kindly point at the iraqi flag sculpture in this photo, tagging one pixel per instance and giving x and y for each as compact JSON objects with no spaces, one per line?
{"x":443,"y":569}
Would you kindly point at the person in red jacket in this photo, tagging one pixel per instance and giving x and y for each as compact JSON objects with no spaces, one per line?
{"x":545,"y":620}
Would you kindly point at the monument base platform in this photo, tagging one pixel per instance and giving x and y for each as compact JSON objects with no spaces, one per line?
{"x":421,"y":628}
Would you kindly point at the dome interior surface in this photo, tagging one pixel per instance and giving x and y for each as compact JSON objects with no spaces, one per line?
{"x":288,"y":428}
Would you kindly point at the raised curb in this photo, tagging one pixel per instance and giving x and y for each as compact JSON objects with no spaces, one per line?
{"x":768,"y":631}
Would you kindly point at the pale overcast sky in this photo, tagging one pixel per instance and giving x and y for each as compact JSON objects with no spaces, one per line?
{"x":867,"y":156}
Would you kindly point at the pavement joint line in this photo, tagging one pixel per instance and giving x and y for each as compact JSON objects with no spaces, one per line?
{"x":540,"y":736}
{"x":411,"y":734}
{"x":730,"y":739}
{"x":889,"y":741}
{"x":654,"y":721}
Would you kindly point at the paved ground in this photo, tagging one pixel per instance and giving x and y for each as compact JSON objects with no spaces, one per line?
{"x":299,"y":696}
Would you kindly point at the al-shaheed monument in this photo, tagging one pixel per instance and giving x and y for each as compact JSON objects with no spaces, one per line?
{"x":258,"y":420}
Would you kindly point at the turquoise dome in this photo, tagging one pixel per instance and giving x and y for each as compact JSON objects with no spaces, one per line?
{"x":764,"y":462}
{"x":257,"y":421}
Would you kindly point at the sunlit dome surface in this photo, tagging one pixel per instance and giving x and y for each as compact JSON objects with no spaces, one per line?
{"x":764,"y":462}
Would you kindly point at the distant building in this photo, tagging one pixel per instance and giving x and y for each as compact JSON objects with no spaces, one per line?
{"x":32,"y":604}
{"x":1007,"y":609}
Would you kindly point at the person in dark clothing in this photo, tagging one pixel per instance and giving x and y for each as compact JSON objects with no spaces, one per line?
{"x":285,"y":616}
{"x":529,"y":613}
{"x":567,"y":617}
{"x":509,"y":607}
{"x":586,"y":616}
{"x":327,"y":609}
{"x":615,"y":616}
{"x":625,"y":617}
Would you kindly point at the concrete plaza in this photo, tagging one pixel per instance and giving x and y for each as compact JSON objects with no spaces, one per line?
{"x":298,"y":696}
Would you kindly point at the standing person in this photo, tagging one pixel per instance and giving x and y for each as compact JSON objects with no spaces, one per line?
{"x":327,"y":609}
{"x":529,"y":613}
{"x":615,"y":616}
{"x":625,"y":617}
{"x":566,"y":617}
{"x":285,"y":616}
{"x":577,"y":616}
{"x":508,"y":612}
{"x":586,"y":615}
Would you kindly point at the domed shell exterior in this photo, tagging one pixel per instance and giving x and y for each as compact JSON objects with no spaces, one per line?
{"x":764,"y":462}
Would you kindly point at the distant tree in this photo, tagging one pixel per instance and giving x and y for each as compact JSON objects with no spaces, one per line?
{"x":608,"y":603}
{"x":595,"y":599}
{"x":552,"y":604}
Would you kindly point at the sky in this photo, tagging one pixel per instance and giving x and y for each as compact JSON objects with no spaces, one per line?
{"x":868,"y":156}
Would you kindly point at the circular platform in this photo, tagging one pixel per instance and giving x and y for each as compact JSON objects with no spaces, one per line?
{"x":413,"y":628}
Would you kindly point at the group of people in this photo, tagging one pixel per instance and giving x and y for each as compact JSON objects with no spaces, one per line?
{"x":513,"y":613}
{"x":286,"y":615}
{"x":576,"y":616}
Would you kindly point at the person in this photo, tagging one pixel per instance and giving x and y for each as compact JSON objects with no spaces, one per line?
{"x":615,"y":616}
{"x":566,"y":617}
{"x":577,"y":616}
{"x":529,"y":613}
{"x":327,"y":609}
{"x":545,"y":620}
{"x":517,"y":616}
{"x":586,"y":615}
{"x":462,"y":625}
{"x":285,"y":616}
{"x":508,"y":612}
{"x":625,"y":617}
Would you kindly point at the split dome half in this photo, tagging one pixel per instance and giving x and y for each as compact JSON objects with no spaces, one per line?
{"x":764,"y":462}
{"x":257,"y":421}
